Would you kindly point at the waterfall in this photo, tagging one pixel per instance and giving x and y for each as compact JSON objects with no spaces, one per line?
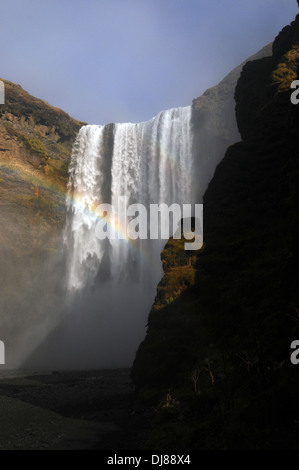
{"x":111,"y":283}
{"x":147,"y":163}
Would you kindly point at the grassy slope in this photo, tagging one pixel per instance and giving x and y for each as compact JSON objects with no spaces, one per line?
{"x":35,"y":147}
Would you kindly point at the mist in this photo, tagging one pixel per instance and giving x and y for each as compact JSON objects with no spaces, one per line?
{"x":100,"y":329}
{"x":49,"y":323}
{"x":45,"y":323}
{"x":46,"y":327}
{"x":31,"y":302}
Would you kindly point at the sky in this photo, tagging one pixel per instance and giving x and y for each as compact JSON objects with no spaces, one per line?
{"x":107,"y":61}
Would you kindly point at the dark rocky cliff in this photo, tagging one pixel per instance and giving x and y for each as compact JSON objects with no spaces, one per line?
{"x":216,"y":361}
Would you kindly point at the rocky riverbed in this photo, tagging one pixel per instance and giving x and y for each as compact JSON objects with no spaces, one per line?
{"x":71,"y":410}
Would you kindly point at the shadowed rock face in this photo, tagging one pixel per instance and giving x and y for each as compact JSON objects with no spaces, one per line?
{"x":220,"y":352}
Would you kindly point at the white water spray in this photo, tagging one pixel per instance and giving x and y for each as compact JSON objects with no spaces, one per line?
{"x":148,"y":163}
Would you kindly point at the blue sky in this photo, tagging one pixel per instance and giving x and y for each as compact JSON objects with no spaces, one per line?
{"x":125,"y":60}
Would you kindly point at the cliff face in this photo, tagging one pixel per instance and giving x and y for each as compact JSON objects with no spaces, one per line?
{"x":214,"y":124}
{"x":216,"y":360}
{"x":35,"y":147}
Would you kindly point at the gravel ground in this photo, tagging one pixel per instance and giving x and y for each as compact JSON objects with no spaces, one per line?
{"x":71,"y":410}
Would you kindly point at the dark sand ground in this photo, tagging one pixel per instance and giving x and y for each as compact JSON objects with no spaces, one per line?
{"x":71,"y":410}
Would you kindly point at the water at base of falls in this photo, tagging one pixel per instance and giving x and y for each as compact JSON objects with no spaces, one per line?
{"x":112,"y":283}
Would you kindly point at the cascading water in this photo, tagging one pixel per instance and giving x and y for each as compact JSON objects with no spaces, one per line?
{"x":112,"y":283}
{"x":148,"y":162}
